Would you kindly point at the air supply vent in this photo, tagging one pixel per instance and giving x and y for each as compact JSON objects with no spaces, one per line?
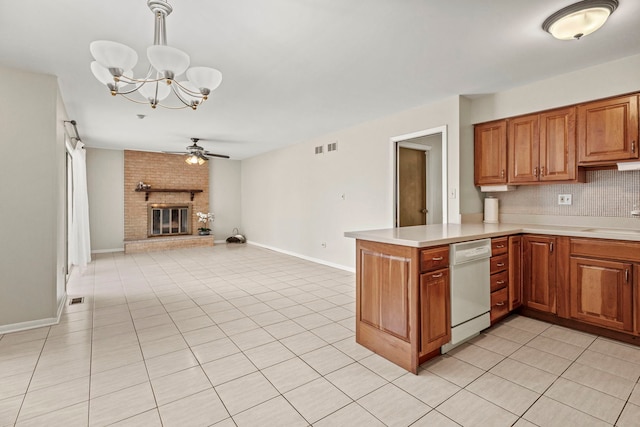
{"x":319,"y":149}
{"x":332,"y":147}
{"x":77,"y":300}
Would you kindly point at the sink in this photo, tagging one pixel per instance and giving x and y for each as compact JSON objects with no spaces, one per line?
{"x":611,"y":231}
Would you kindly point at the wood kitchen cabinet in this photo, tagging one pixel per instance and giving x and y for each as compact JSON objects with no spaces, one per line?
{"x":402,"y":301}
{"x":515,"y":272}
{"x":499,"y":278}
{"x":539,"y":272}
{"x":490,"y":155}
{"x":601,"y":291}
{"x":435,"y":310}
{"x":608,"y":130}
{"x":542,"y":147}
{"x":602,"y":285}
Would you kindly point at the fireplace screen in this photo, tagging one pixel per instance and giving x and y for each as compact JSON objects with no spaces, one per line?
{"x":166,"y":220}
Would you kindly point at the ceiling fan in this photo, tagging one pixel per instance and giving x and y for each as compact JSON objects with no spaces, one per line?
{"x":196,"y":154}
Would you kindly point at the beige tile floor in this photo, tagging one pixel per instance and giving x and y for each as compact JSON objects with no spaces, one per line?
{"x":242,"y":336}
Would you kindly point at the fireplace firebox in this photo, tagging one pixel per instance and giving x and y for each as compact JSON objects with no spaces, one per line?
{"x":169,"y":219}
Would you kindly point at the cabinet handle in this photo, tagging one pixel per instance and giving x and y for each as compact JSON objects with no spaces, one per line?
{"x":502,"y":173}
{"x":541,"y":171}
{"x":500,"y":264}
{"x":626,"y":275}
{"x":435,"y":276}
{"x":499,"y":304}
{"x":437,"y":258}
{"x":535,"y":172}
{"x":499,"y":246}
{"x":633,"y":146}
{"x":551,"y":247}
{"x":500,"y":282}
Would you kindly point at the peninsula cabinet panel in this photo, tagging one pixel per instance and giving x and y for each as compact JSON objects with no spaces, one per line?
{"x":539,"y":273}
{"x":384,"y":292}
{"x":490,"y":156}
{"x":608,"y":130}
{"x":435,"y":306}
{"x":601,"y":293}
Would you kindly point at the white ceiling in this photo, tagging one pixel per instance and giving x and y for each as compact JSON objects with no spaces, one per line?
{"x":298,"y":69}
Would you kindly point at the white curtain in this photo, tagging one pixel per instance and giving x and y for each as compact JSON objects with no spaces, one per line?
{"x":80,"y":239}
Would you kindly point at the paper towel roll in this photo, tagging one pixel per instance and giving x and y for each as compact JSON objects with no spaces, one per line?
{"x":491,"y":210}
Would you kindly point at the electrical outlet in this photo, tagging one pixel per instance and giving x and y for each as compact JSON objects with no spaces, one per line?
{"x":564,"y":199}
{"x":324,"y":244}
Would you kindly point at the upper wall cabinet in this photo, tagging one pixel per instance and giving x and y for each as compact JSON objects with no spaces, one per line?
{"x":490,"y":145}
{"x":608,"y":130}
{"x":542,"y":147}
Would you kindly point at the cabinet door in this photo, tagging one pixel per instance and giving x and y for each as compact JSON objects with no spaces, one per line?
{"x":515,"y":272}
{"x":558,"y":145}
{"x":539,"y":273}
{"x":601,"y":293}
{"x":435,"y":310}
{"x":523,"y":149}
{"x":608,"y":130}
{"x":490,"y":156}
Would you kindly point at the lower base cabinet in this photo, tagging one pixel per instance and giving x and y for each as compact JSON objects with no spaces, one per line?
{"x":402,"y":301}
{"x":435,"y":311}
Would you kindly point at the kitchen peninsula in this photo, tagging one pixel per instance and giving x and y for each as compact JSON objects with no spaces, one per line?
{"x":580,"y":277}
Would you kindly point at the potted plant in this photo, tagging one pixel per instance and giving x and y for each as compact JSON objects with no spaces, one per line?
{"x":205,"y":218}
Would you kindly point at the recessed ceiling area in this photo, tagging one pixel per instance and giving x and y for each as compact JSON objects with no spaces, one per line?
{"x":297,"y":69}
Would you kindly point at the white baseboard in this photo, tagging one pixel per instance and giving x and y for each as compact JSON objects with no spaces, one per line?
{"x":32,"y":324}
{"x":305,"y":257}
{"x":219,"y":242}
{"x":106,"y":251}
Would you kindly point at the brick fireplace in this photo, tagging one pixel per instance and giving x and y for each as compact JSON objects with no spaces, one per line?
{"x":162,"y":172}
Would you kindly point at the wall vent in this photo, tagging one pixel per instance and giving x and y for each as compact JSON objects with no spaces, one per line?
{"x":77,"y":300}
{"x":319,"y":149}
{"x":332,"y":147}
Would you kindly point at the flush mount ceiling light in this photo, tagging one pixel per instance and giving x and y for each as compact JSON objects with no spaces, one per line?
{"x":580,"y":19}
{"x":114,"y":63}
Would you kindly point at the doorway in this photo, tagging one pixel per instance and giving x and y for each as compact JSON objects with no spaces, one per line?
{"x":420,"y":178}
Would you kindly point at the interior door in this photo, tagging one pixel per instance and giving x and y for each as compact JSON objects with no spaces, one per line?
{"x":412,"y":187}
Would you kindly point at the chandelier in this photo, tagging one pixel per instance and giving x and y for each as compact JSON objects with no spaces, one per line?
{"x":114,"y":63}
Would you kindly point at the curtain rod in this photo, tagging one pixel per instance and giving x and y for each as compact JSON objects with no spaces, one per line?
{"x":75,"y":129}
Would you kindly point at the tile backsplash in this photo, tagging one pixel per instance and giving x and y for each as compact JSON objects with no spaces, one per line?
{"x":607,"y":193}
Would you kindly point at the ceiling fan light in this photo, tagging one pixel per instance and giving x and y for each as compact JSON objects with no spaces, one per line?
{"x":113,"y":55}
{"x":579,"y":19}
{"x":167,"y":60}
{"x":156,"y":91}
{"x":204,"y":78}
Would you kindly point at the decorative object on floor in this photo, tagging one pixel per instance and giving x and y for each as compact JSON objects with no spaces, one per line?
{"x":114,"y":63}
{"x":579,"y":19}
{"x":204,"y":218}
{"x":196,"y":155}
{"x":237,"y":237}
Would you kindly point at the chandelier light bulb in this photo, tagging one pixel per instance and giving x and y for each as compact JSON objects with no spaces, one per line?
{"x":112,"y":55}
{"x":205,"y":79}
{"x":168,"y":61}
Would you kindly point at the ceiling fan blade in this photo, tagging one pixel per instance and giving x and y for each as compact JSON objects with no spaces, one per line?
{"x":222,"y":156}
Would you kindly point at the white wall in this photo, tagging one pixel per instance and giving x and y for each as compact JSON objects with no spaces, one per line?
{"x":30,"y":197}
{"x":600,"y":81}
{"x":224,"y":196}
{"x":105,"y":183}
{"x":292,"y":198}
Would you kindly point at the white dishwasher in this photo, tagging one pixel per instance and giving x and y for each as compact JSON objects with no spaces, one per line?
{"x":470,"y":290}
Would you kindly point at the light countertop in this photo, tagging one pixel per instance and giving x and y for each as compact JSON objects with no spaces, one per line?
{"x":421,"y":236}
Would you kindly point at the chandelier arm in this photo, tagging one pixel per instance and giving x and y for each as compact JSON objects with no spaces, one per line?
{"x":177,"y":94}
